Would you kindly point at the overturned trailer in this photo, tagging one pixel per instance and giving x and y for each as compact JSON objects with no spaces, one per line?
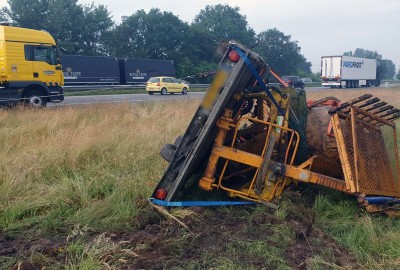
{"x":251,"y":140}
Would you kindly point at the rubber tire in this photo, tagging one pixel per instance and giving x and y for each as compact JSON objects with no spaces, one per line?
{"x":35,"y":99}
{"x":184,"y":91}
{"x":151,"y":93}
{"x":168,"y":151}
{"x":178,"y":140}
{"x":164,"y":91}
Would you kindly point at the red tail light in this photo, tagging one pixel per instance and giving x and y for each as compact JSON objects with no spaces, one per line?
{"x":160,"y":194}
{"x":158,"y":84}
{"x":234,"y":56}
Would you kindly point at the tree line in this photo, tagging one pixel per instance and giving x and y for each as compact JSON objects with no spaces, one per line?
{"x":90,"y":30}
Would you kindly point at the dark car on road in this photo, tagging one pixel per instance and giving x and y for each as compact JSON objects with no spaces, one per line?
{"x":294,"y":81}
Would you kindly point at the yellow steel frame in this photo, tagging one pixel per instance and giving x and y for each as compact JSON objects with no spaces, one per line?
{"x":236,"y":155}
{"x":282,"y":172}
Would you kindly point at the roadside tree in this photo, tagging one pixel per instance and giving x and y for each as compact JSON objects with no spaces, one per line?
{"x":281,"y":53}
{"x":388,"y":69}
{"x":156,"y":34}
{"x":225,"y":23}
{"x":77,"y":28}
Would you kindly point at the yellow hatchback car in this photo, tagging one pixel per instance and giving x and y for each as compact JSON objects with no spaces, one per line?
{"x":164,"y":85}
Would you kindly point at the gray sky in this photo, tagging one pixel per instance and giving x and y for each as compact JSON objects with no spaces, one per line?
{"x":322,"y":27}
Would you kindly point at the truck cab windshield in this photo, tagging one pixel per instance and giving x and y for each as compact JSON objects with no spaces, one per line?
{"x":41,"y":53}
{"x":46,"y":54}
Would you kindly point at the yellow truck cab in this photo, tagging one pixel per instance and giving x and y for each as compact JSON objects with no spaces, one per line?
{"x":30,"y":67}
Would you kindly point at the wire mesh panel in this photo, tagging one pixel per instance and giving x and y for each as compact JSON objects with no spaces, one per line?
{"x":375,"y":154}
{"x":368,"y":152}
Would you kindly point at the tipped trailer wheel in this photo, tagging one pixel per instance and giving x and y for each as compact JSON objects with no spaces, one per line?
{"x":168,"y":151}
{"x":178,"y":140}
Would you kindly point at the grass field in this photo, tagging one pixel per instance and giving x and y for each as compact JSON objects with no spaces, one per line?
{"x":73,"y":189}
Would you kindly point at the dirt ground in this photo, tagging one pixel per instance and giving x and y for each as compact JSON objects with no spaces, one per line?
{"x":245,"y":237}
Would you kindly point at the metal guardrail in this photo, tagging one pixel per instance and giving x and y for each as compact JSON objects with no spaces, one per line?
{"x":77,"y":88}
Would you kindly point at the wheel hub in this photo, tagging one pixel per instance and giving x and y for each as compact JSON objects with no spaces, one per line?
{"x":35,"y":101}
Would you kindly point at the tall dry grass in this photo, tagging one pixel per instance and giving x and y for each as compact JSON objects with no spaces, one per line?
{"x":83,"y":165}
{"x":86,"y":165}
{"x":73,"y":169}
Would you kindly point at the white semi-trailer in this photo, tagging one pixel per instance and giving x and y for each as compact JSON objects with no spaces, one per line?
{"x":347,"y":71}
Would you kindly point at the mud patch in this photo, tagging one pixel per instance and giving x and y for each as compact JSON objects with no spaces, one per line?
{"x":311,"y":246}
{"x":21,"y":250}
{"x":246,"y":237}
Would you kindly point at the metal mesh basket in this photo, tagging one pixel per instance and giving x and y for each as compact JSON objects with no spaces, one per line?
{"x":368,"y":150}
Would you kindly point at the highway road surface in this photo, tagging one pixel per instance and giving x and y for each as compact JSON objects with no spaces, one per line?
{"x":132,"y":98}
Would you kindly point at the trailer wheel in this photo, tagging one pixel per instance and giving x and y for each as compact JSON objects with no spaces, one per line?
{"x":184,"y":91}
{"x":164,"y":91}
{"x":168,"y":151}
{"x":178,"y":140}
{"x":35,"y":98}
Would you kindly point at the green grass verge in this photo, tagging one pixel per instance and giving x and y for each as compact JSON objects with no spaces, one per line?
{"x":74,"y":174}
{"x":374,"y":239}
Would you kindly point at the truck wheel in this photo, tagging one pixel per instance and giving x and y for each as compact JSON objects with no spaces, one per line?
{"x":163,"y":91}
{"x":34,"y":98}
{"x":184,"y":91}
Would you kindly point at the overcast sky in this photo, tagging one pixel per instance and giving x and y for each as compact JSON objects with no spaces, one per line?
{"x":322,"y":27}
